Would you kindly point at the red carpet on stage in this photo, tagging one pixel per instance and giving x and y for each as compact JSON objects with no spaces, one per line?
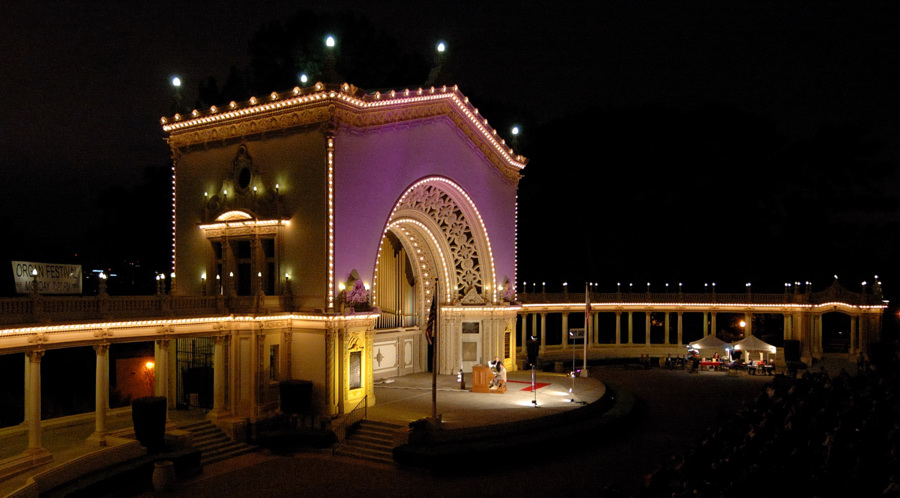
{"x":537,"y":385}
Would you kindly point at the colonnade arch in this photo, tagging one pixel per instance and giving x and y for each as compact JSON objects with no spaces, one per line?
{"x":619,"y":328}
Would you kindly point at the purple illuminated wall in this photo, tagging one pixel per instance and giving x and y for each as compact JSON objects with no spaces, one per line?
{"x":373,"y":169}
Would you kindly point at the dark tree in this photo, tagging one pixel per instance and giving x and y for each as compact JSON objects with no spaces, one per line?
{"x":281,"y":51}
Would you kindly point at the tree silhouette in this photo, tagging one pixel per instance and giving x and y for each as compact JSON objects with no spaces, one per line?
{"x":281,"y":51}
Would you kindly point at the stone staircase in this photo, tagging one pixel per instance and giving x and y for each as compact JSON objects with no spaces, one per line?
{"x":213,"y":443}
{"x":370,"y":440}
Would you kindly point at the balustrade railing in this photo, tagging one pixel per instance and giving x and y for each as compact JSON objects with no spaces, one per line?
{"x":697,"y":297}
{"x":50,"y":309}
{"x":55,"y":309}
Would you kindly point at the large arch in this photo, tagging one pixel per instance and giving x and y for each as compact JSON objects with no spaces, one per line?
{"x":442,"y":236}
{"x":440,"y":226}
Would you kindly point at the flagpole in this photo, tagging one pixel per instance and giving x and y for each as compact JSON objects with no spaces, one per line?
{"x":434,"y":350}
{"x":588,"y":325}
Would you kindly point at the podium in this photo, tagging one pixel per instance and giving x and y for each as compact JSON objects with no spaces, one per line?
{"x":481,"y":380}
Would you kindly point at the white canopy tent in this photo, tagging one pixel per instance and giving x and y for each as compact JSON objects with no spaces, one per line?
{"x":711,"y":342}
{"x":753,"y":344}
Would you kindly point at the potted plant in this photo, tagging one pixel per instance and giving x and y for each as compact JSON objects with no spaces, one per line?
{"x":149,"y":416}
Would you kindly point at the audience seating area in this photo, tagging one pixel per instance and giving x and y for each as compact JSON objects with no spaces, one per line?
{"x":814,"y":435}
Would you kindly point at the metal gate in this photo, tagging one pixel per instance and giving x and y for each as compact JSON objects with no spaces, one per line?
{"x":194,"y":371}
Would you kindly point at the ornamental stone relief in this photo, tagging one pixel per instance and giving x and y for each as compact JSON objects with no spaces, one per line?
{"x":245,"y":189}
{"x":446,"y":213}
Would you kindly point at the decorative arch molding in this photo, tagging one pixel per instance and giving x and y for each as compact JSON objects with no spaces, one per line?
{"x":422,"y":241}
{"x":456,"y":234}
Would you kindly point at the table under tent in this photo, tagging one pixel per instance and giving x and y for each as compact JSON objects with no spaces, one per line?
{"x":753,"y":346}
{"x":713,"y":345}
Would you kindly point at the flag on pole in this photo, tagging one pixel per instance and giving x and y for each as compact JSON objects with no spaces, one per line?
{"x":587,"y":311}
{"x":432,"y":318}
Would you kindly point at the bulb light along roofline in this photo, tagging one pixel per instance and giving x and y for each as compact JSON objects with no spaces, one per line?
{"x":374,"y":101}
{"x":676,"y":304}
{"x":245,"y":223}
{"x":183,"y":321}
{"x":481,"y":309}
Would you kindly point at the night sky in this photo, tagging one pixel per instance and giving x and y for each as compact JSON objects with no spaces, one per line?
{"x":669,"y":141}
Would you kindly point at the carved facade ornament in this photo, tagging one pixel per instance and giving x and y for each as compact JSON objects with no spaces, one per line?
{"x":246,"y":190}
{"x":355,"y":342}
{"x":446,"y":213}
{"x":836,"y":293}
{"x":102,"y":333}
{"x":472,"y":297}
{"x":38,"y":338}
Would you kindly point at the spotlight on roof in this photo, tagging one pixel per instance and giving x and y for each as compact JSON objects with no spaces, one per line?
{"x":176,"y":81}
{"x":441,"y":47}
{"x":515,"y":130}
{"x":329,"y":42}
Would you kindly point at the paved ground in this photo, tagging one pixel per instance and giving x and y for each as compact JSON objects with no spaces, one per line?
{"x":673,"y":411}
{"x":409,"y":398}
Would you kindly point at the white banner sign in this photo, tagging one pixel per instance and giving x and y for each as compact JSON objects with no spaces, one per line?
{"x":51,"y":278}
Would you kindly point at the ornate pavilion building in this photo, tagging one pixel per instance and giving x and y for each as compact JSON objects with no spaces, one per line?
{"x":323,"y":214}
{"x":312,"y":232}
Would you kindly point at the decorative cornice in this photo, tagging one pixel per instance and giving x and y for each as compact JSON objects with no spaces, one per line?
{"x":346,"y":105}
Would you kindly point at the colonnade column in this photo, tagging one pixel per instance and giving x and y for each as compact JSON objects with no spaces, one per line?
{"x":219,"y":376}
{"x":33,"y":406}
{"x":630,"y":328}
{"x":864,"y":334}
{"x":666,"y":325}
{"x":618,"y":328}
{"x":748,"y":318}
{"x":819,"y":333}
{"x":705,"y":325}
{"x":161,"y":372}
{"x":565,"y":331}
{"x":680,"y":327}
{"x":524,"y":326}
{"x":712,"y":320}
{"x":101,"y":394}
{"x":854,"y":335}
{"x":647,"y":327}
{"x":543,"y":331}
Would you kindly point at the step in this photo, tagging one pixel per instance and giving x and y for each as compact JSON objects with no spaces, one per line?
{"x":371,"y":440}
{"x":195,"y":425}
{"x":226,"y":455}
{"x":354,"y":452}
{"x":213,"y":443}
